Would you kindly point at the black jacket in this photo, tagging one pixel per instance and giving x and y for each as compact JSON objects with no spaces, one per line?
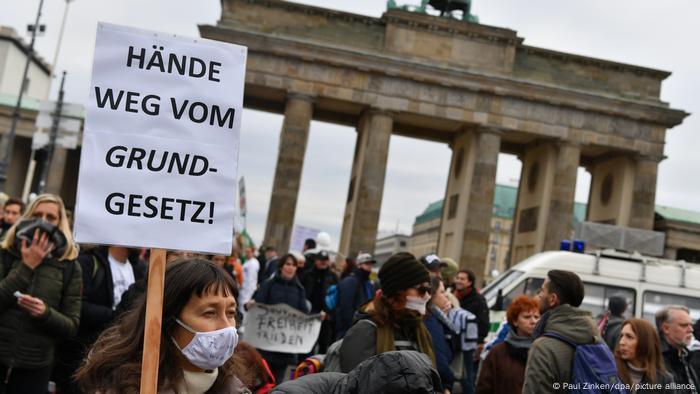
{"x":277,"y":290}
{"x":678,"y":365}
{"x":352,"y":292}
{"x":476,"y":304}
{"x":612,"y":330}
{"x":316,"y":282}
{"x":98,"y":291}
{"x":404,"y":372}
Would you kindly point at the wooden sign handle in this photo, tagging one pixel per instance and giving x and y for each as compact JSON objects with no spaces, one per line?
{"x":154,"y":314}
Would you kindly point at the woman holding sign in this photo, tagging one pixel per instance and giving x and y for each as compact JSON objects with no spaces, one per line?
{"x":198,"y":338}
{"x":282,"y":288}
{"x":40,"y":284}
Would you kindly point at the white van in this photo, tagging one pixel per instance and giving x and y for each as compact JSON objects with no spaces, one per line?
{"x":648,"y":283}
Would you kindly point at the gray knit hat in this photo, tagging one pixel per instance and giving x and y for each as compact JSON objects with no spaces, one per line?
{"x":402,"y":271}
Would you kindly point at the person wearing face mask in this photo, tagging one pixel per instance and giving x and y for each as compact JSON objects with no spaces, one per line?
{"x":40,"y":284}
{"x":639,"y":361}
{"x":393,"y":319}
{"x":676,"y":330}
{"x":198,"y":338}
{"x":503,"y":371}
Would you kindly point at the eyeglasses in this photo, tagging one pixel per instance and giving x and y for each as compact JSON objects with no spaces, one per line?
{"x":422,"y":289}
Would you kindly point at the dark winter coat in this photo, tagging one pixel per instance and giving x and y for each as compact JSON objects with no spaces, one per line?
{"x":550,"y":359}
{"x":353,"y":291}
{"x":98,"y":291}
{"x":475,"y":303}
{"x":360,"y":342}
{"x":26,"y":341}
{"x":278,"y":290}
{"x":404,"y":372}
{"x":316,"y":282}
{"x":662,"y":379}
{"x":612,"y":330}
{"x":316,"y":383}
{"x":678,"y":365}
{"x":503,"y":371}
{"x":443,"y":346}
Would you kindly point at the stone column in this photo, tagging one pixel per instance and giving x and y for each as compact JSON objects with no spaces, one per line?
{"x":561,"y":207}
{"x":57,"y":169}
{"x":644,"y":194}
{"x":359,"y":232}
{"x":290,"y":163}
{"x":545,"y":206}
{"x":612,"y":190}
{"x":466,"y":216}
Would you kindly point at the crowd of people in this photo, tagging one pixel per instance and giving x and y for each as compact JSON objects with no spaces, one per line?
{"x":72,"y":320}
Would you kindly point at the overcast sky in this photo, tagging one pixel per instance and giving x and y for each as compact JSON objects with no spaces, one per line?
{"x":661,"y":35}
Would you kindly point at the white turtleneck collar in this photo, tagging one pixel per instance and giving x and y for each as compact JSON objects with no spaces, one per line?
{"x":196,"y":382}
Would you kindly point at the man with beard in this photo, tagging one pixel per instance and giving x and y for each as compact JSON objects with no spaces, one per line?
{"x":676,"y":332}
{"x":550,"y":359}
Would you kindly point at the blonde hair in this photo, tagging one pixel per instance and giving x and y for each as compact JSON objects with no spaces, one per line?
{"x":63,"y":225}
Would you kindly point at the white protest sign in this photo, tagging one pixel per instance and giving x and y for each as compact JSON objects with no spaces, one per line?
{"x":281,"y":328}
{"x":160,"y":147}
{"x":301,"y":234}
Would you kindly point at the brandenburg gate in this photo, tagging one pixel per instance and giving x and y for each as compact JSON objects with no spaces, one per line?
{"x":475,"y":87}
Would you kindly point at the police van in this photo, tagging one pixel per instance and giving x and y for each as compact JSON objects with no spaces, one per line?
{"x":647,"y":283}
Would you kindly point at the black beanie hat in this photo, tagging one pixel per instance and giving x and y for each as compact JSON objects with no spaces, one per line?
{"x":402,"y":271}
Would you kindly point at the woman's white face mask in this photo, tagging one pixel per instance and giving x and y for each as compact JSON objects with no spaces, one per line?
{"x":209,"y":350}
{"x":417,"y":303}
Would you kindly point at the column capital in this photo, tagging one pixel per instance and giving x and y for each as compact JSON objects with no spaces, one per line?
{"x":378,"y":111}
{"x":489,"y":129}
{"x":301,"y":96}
{"x":565,"y":143}
{"x":653,"y":158}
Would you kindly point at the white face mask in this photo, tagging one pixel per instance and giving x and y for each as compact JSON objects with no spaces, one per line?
{"x":209,"y":350}
{"x":417,"y":303}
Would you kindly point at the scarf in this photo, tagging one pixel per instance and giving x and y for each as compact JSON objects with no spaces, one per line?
{"x":517,"y":341}
{"x":386,"y":337}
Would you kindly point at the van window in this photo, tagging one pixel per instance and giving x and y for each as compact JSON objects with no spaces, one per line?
{"x":597,"y":296}
{"x":528,"y":287}
{"x":653,"y":301}
{"x":491,"y":291}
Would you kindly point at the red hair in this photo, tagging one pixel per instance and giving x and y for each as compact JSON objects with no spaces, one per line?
{"x":520,"y":305}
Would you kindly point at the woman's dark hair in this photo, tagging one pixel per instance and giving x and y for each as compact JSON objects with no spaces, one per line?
{"x":255,"y":363}
{"x":390,"y":309}
{"x":350,"y":266}
{"x":114,"y":361}
{"x":648,"y":351}
{"x":567,"y":286}
{"x":283,"y":260}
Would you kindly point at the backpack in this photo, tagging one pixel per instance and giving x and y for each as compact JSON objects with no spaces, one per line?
{"x":332,"y":294}
{"x":331,"y":362}
{"x":593,"y":370}
{"x":332,"y":297}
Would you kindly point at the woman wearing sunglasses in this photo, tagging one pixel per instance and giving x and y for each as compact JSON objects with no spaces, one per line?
{"x":393,"y":320}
